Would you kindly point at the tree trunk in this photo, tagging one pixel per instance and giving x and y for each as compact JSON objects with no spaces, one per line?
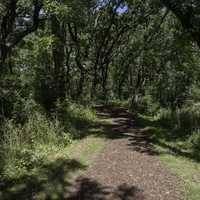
{"x":94,"y":83}
{"x":3,"y":56}
{"x":82,"y":76}
{"x":104,"y":80}
{"x":58,"y":56}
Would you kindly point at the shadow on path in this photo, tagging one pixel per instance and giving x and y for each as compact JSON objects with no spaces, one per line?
{"x":142,"y":139}
{"x":89,"y":189}
{"x":125,"y":125}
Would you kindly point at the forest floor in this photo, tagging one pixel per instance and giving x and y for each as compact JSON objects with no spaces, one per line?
{"x":116,"y":161}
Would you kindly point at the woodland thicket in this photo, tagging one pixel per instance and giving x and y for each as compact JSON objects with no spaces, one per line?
{"x":60,"y":57}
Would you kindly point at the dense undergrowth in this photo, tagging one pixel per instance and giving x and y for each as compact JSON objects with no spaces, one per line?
{"x":24,"y":146}
{"x":183,"y":126}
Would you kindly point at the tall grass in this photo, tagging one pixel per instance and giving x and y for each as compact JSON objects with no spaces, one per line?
{"x":184,"y":124}
{"x":186,"y":119}
{"x":23,"y":147}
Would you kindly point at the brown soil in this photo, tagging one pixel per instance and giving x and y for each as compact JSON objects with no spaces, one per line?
{"x":128,"y":168}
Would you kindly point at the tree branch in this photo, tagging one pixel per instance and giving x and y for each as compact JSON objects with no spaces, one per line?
{"x":185,"y":14}
{"x":17,"y":36}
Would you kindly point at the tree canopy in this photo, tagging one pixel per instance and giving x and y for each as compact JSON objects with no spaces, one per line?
{"x":59,"y":58}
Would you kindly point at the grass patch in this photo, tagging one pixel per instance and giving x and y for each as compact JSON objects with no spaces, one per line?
{"x":82,"y":150}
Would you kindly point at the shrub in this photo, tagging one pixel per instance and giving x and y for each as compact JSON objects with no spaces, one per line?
{"x":75,"y":117}
{"x":25,"y":145}
{"x":165,"y":118}
{"x":147,"y":105}
{"x":21,"y":143}
{"x":186,"y":119}
{"x":194,"y":142}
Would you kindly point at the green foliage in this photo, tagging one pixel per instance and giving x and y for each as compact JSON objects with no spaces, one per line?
{"x":147,"y":105}
{"x":194,"y":143}
{"x":75,"y":117}
{"x":81,"y":113}
{"x":178,"y":130}
{"x":78,"y":53}
{"x":183,"y":121}
{"x":25,"y":146}
{"x":21,"y":144}
{"x":12,"y":94}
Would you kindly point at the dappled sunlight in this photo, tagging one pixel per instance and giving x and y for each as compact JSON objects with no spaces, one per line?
{"x":50,"y":182}
{"x":104,"y":87}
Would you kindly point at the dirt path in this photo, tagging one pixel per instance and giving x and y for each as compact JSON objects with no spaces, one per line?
{"x":127,"y":168}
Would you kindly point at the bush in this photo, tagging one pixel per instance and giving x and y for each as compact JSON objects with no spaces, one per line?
{"x":23,"y":146}
{"x":75,"y":117}
{"x":184,"y":120}
{"x":194,"y":142}
{"x":81,"y":113}
{"x":147,"y":105}
{"x":165,"y":118}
